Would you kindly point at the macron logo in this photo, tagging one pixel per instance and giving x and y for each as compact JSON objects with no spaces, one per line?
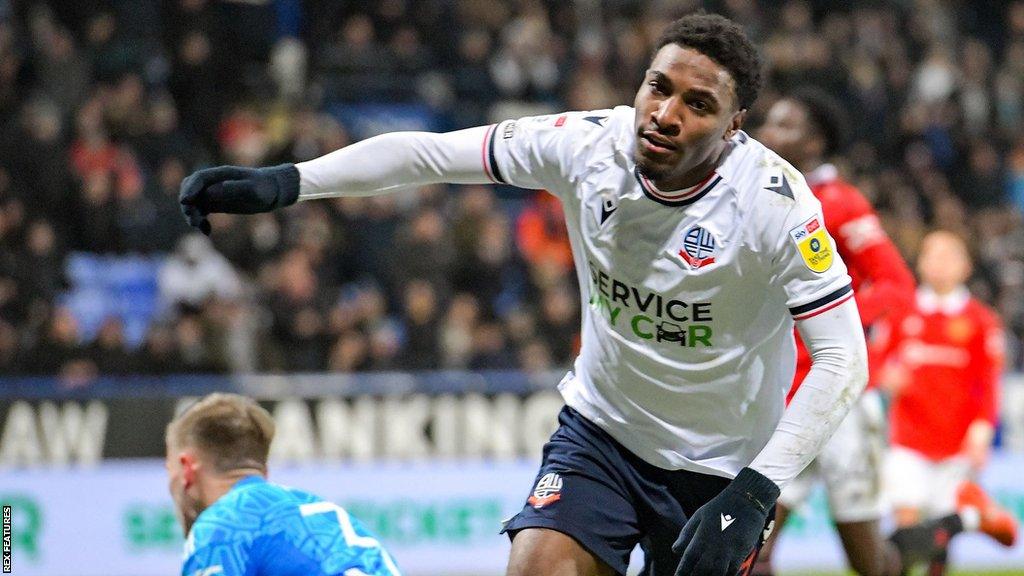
{"x":727,"y":521}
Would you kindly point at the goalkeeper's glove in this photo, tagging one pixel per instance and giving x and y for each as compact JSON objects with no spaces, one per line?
{"x":237,"y":190}
{"x":720,"y":538}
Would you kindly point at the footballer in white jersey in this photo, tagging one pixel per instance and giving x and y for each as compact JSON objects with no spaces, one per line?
{"x":697,"y":249}
{"x":689,"y":297}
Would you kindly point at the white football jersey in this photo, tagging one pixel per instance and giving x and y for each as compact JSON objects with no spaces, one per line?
{"x":689,"y":297}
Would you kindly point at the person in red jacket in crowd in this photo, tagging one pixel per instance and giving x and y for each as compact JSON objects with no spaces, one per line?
{"x":541,"y":233}
{"x":806,"y":128}
{"x":944,"y":358}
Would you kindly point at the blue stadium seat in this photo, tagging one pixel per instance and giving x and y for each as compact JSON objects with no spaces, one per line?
{"x":122,"y":286}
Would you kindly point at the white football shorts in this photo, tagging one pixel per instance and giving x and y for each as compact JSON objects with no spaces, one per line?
{"x":915,"y":481}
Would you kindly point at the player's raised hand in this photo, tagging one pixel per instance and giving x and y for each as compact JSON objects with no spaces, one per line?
{"x":720,"y":538}
{"x":237,"y":190}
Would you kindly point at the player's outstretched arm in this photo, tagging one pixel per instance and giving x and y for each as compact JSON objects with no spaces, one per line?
{"x":373,"y":166}
{"x":723,"y":534}
{"x":237,"y":190}
{"x":838,"y":375}
{"x":988,"y":353}
{"x":870,"y":254}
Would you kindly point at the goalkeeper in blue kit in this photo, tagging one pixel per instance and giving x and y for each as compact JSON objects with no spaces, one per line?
{"x":239,"y":524}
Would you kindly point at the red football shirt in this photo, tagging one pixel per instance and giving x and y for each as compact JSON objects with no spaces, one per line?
{"x":952,"y":348}
{"x":881,"y":280}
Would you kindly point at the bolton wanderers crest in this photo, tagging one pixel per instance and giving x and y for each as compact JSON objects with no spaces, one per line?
{"x":698,"y":247}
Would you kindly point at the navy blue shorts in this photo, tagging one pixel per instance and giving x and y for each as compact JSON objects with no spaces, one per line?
{"x":606,"y":498}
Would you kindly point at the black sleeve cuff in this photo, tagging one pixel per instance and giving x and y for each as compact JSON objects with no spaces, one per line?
{"x":822,"y":304}
{"x":287,"y":178}
{"x":756,"y":487}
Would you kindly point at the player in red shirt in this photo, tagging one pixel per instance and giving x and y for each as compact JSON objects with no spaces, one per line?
{"x":945,"y":355}
{"x":805,"y":128}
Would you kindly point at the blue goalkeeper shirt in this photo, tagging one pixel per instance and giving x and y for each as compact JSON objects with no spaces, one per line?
{"x":262,"y":529}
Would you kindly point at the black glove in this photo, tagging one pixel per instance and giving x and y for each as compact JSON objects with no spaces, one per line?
{"x":237,"y":190}
{"x":723,"y":533}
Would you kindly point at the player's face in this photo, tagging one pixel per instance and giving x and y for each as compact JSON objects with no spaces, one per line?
{"x":944,"y":262}
{"x":186,"y":507}
{"x":686,"y":110}
{"x":787,"y":131}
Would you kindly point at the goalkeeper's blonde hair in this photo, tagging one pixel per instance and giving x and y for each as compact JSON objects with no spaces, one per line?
{"x":232,"y":431}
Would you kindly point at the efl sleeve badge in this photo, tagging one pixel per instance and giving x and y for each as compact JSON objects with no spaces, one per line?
{"x":814,"y":244}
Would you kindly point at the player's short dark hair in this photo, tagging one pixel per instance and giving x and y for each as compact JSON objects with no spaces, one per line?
{"x":233,"y":431}
{"x":725,"y":42}
{"x":826,"y":115}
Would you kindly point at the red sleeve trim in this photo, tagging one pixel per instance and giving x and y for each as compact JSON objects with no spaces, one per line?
{"x":814,"y":313}
{"x":483,"y":153}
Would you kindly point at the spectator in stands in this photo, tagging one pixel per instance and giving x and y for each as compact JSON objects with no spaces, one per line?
{"x":1015,"y":176}
{"x":473,"y":205}
{"x":535,"y":357}
{"x":410,"y":62}
{"x":231,"y":335}
{"x":164,"y":138}
{"x":422,"y":250}
{"x":63,"y":72}
{"x":13,"y":300}
{"x":350,"y":353}
{"x":981,"y":182}
{"x":457,"y":329}
{"x":371,"y":224}
{"x":13,"y":294}
{"x":491,"y":271}
{"x":490,"y":350}
{"x":471,"y":79}
{"x":109,"y":352}
{"x":159,"y":353}
{"x":35,"y":156}
{"x":557,"y":324}
{"x":94,"y":152}
{"x":524,"y":64}
{"x":541,"y":233}
{"x":299,"y":323}
{"x":41,"y":265}
{"x":421,"y":350}
{"x":10,"y":349}
{"x":314,"y":134}
{"x":124,"y":110}
{"x":59,"y":351}
{"x":385,"y":345}
{"x":356,"y":66}
{"x":193,"y":345}
{"x":165,"y":230}
{"x":521,"y":325}
{"x":96,"y":228}
{"x":136,"y":218}
{"x":196,"y":272}
{"x":31,"y":273}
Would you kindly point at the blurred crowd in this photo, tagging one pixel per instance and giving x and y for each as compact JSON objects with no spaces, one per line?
{"x":105,"y":105}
